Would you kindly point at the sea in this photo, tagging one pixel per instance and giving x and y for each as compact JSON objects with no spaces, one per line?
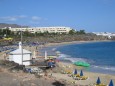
{"x":100,"y":55}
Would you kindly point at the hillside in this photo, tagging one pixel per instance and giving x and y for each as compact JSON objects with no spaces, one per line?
{"x":2,"y":25}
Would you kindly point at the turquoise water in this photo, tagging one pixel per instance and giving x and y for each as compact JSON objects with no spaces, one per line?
{"x":101,"y":55}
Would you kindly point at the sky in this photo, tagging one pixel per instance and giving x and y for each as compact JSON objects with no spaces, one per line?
{"x":89,"y":15}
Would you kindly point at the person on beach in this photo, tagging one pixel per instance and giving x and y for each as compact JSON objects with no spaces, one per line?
{"x":5,"y":56}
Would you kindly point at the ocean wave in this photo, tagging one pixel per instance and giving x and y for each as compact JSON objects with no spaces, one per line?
{"x":54,"y":49}
{"x":104,"y":67}
{"x":72,"y":59}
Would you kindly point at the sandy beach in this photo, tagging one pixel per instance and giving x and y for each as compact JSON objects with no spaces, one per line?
{"x":72,"y":42}
{"x":92,"y":77}
{"x":69,"y":81}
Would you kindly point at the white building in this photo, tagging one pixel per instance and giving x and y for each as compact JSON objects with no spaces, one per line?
{"x":43,"y":29}
{"x":17,"y":57}
{"x":107,"y":34}
{"x":104,"y":33}
{"x":53,"y":29}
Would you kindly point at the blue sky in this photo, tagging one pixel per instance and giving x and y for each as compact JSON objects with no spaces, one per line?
{"x":90,"y":15}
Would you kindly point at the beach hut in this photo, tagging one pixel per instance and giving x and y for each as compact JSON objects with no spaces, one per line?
{"x":98,"y":81}
{"x":20,"y":56}
{"x":111,"y":83}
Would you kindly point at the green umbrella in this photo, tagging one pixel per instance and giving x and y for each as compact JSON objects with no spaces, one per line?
{"x":80,"y":63}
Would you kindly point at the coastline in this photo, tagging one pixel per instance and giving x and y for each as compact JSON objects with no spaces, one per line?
{"x":73,"y":42}
{"x":105,"y":78}
{"x":92,"y":76}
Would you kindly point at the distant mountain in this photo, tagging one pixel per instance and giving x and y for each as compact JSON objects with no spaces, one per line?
{"x":3,"y":25}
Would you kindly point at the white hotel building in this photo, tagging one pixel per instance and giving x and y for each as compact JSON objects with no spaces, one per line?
{"x":43,"y":29}
{"x":107,"y":34}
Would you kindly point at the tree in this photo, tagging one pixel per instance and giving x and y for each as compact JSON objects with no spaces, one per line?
{"x":1,"y":32}
{"x":46,"y":33}
{"x":81,"y":32}
{"x":8,"y":32}
{"x":26,"y":33}
{"x":71,"y":32}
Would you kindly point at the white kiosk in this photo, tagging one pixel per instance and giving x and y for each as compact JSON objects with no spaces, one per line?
{"x":21,"y":56}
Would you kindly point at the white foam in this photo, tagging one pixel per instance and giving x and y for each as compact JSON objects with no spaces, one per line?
{"x":54,"y":49}
{"x":105,"y":67}
{"x":67,"y":57}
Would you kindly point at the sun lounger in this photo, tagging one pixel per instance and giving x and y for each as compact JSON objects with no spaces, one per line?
{"x":80,"y":77}
{"x":68,"y":72}
{"x":83,"y":77}
{"x":76,"y":75}
{"x":101,"y":84}
{"x":73,"y":75}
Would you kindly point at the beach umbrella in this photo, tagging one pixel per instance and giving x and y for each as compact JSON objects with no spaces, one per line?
{"x":81,"y":73}
{"x":111,"y":83}
{"x":98,"y":81}
{"x":80,"y":63}
{"x":45,"y":55}
{"x":75,"y":71}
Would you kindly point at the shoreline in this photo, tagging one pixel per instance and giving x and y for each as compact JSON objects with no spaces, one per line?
{"x":92,"y":76}
{"x":74,"y":42}
{"x":92,"y":69}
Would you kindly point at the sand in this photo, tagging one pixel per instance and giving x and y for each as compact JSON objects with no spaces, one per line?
{"x":92,"y":77}
{"x":73,"y":42}
{"x":22,"y":79}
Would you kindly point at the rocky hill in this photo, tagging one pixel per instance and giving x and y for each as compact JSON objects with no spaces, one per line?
{"x":3,"y":25}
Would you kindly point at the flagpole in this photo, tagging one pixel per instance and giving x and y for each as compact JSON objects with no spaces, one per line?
{"x":21,"y":46}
